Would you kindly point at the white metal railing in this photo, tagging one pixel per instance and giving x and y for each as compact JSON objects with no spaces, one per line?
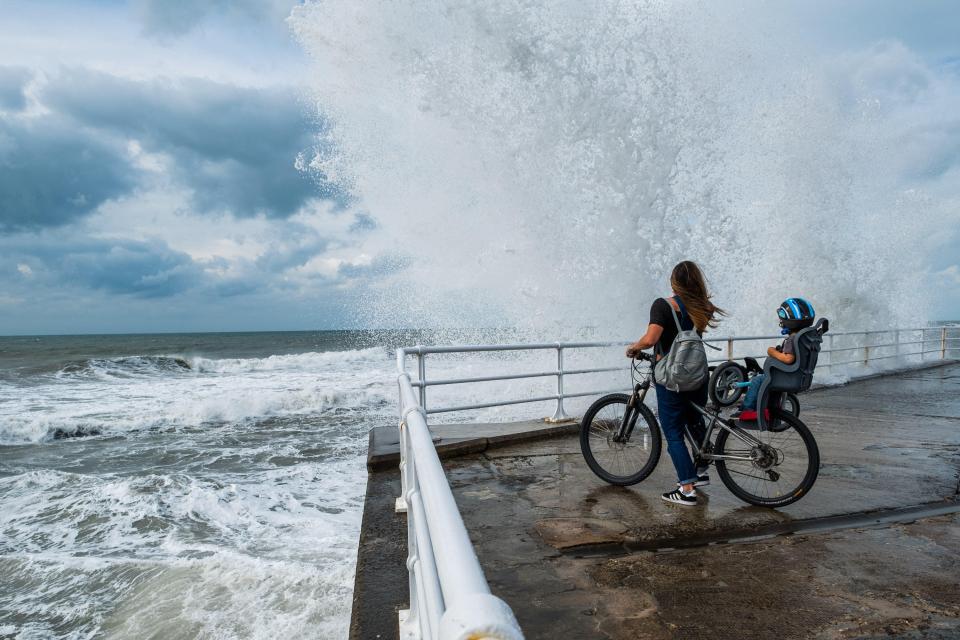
{"x":449,"y":596}
{"x":865,"y":342}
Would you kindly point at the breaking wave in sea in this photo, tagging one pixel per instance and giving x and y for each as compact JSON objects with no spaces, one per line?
{"x":178,"y":495}
{"x":117,"y":395}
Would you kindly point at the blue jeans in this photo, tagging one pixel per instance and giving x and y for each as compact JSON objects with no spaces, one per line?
{"x":674,"y":413}
{"x":750,"y":402}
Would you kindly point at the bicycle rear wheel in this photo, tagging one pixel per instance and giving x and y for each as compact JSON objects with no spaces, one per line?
{"x":780,"y":471}
{"x":791,"y":404}
{"x":620,"y":463}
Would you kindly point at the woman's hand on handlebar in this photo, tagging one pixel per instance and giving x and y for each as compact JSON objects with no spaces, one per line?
{"x":636,"y":352}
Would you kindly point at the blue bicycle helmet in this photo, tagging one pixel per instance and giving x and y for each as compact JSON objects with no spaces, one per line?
{"x":795,"y":314}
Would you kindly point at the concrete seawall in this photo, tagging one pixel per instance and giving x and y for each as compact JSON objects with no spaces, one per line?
{"x":874,"y":548}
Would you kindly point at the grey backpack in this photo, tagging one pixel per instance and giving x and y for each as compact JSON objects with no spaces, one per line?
{"x":684,"y":367}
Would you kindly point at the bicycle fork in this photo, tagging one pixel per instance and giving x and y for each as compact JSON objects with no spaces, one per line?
{"x":630,"y":416}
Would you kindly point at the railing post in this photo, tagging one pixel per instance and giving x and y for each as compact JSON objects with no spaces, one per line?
{"x":729,"y":348}
{"x":943,"y":343}
{"x":409,"y":619}
{"x":866,"y":349}
{"x":559,"y":415}
{"x":400,"y":504}
{"x":422,"y":372}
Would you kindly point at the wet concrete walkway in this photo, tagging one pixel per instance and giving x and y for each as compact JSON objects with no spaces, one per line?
{"x":884,"y":443}
{"x":577,"y":558}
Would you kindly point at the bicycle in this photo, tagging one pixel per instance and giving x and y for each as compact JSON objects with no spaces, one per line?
{"x":768,"y":467}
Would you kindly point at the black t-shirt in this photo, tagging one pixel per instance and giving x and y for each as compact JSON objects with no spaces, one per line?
{"x":662,"y":314}
{"x":788,"y":345}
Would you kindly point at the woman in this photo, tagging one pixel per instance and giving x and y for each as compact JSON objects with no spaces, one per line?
{"x":692,"y":304}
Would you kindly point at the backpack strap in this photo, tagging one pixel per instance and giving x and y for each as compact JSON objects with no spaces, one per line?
{"x":676,"y":320}
{"x":683,"y":313}
{"x":656,"y":348}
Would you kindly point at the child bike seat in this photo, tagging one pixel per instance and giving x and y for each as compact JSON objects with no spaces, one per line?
{"x":794,"y":377}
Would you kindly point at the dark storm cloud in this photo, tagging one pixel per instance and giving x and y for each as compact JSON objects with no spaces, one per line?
{"x":145,"y":269}
{"x":234,"y":147}
{"x":130,"y":267}
{"x":235,"y":287}
{"x":13,"y":81}
{"x":52,"y":172}
{"x":171,"y":18}
{"x":281,"y":258}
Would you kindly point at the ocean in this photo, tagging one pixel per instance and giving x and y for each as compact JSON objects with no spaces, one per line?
{"x":185,"y":485}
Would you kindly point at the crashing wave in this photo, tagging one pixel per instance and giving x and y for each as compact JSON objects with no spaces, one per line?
{"x":125,"y":366}
{"x":314,"y":360}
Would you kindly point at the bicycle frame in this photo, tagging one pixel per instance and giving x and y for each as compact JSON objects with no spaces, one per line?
{"x":713,"y":421}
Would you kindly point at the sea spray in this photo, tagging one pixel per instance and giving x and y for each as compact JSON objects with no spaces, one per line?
{"x":543,"y":165}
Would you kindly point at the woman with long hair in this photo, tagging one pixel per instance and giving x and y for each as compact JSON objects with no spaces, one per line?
{"x":692,"y":305}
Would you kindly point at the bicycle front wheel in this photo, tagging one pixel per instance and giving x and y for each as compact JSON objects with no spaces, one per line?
{"x":723,"y":389}
{"x":775,"y":473}
{"x":620,"y":461}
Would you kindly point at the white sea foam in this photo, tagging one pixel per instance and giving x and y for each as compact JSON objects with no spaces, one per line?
{"x":239,"y":555}
{"x":341,"y":361}
{"x":118,"y":395}
{"x":229,"y":507}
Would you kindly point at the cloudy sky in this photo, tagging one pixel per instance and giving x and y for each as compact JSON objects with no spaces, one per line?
{"x":149,"y":173}
{"x":151,"y":155}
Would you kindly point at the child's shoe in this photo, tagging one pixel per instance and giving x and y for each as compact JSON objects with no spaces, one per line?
{"x":750,"y":415}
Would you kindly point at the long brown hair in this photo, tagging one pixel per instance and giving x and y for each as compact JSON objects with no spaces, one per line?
{"x":688,"y":282}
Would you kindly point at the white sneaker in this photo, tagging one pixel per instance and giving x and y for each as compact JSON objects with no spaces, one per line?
{"x":677,"y":496}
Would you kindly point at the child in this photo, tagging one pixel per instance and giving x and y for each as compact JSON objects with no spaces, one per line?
{"x":795,"y":314}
